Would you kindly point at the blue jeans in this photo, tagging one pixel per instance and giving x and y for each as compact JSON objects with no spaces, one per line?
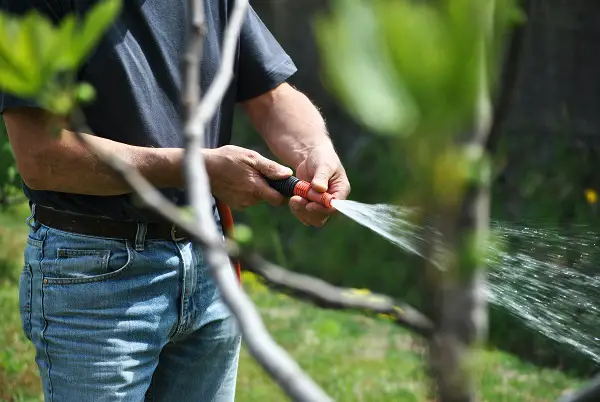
{"x":116,"y":321}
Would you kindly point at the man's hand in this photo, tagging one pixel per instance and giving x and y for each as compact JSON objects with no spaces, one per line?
{"x":296,"y":133}
{"x":236,"y":176}
{"x":323,"y":169}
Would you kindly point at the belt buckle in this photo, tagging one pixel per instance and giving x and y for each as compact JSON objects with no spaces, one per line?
{"x":174,"y":234}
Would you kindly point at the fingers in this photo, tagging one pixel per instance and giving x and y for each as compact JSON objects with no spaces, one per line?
{"x":299,"y":205}
{"x":272,"y":170}
{"x":320,"y":180}
{"x":269,"y":168}
{"x":342,"y":187}
{"x":318,"y":208}
{"x":268,"y":194}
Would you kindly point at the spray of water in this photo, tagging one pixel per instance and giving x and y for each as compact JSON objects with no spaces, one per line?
{"x":391,"y":222}
{"x":547,"y":279}
{"x":550,"y":282}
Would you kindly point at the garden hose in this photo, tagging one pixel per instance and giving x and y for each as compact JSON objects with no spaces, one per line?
{"x":288,"y":188}
{"x":294,"y":186}
{"x":228,"y":226}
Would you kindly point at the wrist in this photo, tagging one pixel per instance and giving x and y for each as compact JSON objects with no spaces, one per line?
{"x":208,"y":155}
{"x":174,"y":163}
{"x":173,"y":159}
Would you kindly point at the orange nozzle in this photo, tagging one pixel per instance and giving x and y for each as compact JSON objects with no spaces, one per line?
{"x":305,"y":190}
{"x":294,"y":186}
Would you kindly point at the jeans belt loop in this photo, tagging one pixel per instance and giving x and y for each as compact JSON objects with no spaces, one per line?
{"x":140,"y":236}
{"x":174,"y":234}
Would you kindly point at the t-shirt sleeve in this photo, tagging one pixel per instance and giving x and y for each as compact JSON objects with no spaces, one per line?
{"x":262,"y":64}
{"x":8,"y":101}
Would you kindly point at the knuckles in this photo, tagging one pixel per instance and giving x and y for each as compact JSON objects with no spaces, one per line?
{"x":251,"y":157}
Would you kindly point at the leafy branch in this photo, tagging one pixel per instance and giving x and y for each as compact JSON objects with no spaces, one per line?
{"x":37,"y":60}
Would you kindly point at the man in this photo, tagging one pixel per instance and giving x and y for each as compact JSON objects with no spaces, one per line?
{"x":119,"y":305}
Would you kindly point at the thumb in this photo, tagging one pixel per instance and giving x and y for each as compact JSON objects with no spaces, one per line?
{"x":320,"y":180}
{"x":272,"y":169}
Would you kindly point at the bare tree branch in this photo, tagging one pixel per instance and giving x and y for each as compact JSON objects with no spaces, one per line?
{"x":192,"y":59}
{"x":214,"y":95}
{"x":325,"y":295}
{"x":282,"y":367}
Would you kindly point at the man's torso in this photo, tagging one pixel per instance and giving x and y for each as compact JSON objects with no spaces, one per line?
{"x":135,"y":71}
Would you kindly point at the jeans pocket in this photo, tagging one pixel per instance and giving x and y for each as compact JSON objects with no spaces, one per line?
{"x":70,"y":258}
{"x":25,"y":293}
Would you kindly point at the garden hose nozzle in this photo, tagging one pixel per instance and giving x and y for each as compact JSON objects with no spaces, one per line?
{"x":294,"y":186}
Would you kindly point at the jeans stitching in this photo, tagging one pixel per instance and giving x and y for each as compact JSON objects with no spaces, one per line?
{"x":68,"y":252}
{"x":29,"y":300}
{"x":34,"y":243}
{"x":182,"y":318}
{"x":45,"y":322}
{"x":96,"y":278}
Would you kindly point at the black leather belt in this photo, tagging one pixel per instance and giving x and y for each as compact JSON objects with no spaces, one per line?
{"x":102,"y":227}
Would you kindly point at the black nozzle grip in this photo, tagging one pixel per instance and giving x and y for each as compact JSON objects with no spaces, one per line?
{"x":284,"y":186}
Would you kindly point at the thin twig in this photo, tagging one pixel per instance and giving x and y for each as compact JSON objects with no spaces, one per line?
{"x":325,"y":295}
{"x":191,"y":59}
{"x":209,"y":103}
{"x":193,"y":162}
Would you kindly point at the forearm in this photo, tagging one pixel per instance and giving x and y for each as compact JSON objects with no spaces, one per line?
{"x":289,"y":123}
{"x":53,"y":161}
{"x":67,"y":165}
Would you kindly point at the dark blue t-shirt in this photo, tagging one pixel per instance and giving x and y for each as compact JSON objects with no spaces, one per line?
{"x":136,"y":73}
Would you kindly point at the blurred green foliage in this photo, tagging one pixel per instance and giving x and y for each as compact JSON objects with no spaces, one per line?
{"x":544,"y":191}
{"x":9,"y":176}
{"x":428,"y":67}
{"x":38,"y":60}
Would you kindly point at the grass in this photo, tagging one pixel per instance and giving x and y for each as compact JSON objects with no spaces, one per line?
{"x":354,"y":358}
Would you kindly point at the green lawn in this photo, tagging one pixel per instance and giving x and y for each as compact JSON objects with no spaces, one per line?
{"x":354,"y":358}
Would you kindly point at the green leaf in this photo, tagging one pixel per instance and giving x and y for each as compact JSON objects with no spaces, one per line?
{"x":400,"y":65}
{"x":38,"y":59}
{"x":85,"y":92}
{"x":96,"y":22}
{"x":67,"y":34}
{"x":61,"y":103}
{"x":21,"y":57}
{"x":243,"y":234}
{"x":359,"y":70}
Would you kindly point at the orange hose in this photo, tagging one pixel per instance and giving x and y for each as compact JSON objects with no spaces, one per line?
{"x":305,"y":190}
{"x":228,"y":226}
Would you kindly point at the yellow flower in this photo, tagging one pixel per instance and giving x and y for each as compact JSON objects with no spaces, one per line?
{"x":591,"y":196}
